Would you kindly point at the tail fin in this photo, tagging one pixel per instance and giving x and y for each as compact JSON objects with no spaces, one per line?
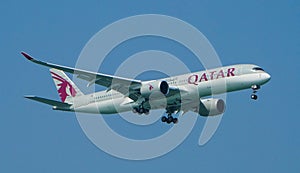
{"x":65,"y":87}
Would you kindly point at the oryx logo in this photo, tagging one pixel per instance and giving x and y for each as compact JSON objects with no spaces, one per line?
{"x":150,"y":87}
{"x":62,"y":87}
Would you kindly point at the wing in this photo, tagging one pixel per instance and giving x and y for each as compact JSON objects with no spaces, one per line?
{"x":128,"y":87}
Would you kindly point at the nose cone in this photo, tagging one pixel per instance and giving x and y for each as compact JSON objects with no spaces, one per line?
{"x":266,"y":77}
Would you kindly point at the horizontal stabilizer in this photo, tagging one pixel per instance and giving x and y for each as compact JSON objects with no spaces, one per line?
{"x":48,"y":101}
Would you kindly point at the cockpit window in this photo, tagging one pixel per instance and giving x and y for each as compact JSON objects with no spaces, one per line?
{"x":257,"y":69}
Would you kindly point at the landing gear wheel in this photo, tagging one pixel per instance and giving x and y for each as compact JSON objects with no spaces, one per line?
{"x":142,"y":110}
{"x":255,"y":87}
{"x":163,"y":119}
{"x":253,"y":96}
{"x":175,"y":120}
{"x":146,"y":111}
{"x":169,"y":119}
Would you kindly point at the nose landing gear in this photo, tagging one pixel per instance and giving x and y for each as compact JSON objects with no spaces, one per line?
{"x":255,"y":88}
{"x":254,"y":96}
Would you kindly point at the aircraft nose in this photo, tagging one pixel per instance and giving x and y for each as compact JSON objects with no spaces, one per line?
{"x":266,"y":76}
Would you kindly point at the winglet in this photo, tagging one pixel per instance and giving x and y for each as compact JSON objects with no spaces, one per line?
{"x":27,"y":56}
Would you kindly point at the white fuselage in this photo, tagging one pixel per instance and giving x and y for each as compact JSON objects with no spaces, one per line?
{"x":196,"y":85}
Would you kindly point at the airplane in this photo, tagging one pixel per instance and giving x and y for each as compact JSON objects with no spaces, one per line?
{"x":182,"y":93}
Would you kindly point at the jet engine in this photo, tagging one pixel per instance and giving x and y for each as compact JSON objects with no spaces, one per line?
{"x":211,"y":107}
{"x":152,"y":87}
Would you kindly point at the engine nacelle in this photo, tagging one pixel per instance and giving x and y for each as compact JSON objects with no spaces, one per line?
{"x":211,"y":107}
{"x":152,"y":87}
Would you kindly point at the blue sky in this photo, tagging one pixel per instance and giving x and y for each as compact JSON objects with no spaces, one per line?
{"x":261,"y":136}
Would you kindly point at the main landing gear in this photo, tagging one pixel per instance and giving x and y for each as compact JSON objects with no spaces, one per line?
{"x":169,"y":119}
{"x":255,"y":88}
{"x":141,"y":110}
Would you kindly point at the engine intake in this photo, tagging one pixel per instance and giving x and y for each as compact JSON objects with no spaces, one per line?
{"x":157,"y":86}
{"x":211,"y":107}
